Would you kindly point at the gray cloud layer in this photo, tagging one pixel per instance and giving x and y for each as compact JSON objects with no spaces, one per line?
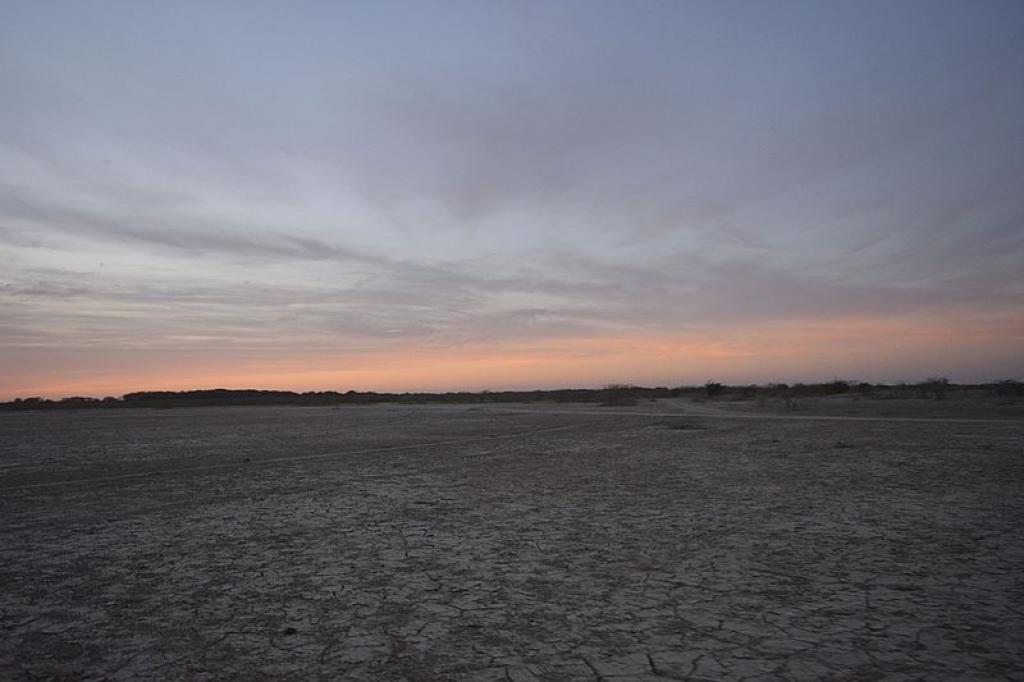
{"x":363,"y":176}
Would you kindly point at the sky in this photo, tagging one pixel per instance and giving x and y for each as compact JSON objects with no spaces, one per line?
{"x":476,"y":195}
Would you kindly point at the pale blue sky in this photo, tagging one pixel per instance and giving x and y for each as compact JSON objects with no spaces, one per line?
{"x":353,"y":177}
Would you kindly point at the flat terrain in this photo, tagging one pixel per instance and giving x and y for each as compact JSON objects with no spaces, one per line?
{"x":669,"y":540}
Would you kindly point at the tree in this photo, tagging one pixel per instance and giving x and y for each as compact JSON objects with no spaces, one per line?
{"x":713,"y":388}
{"x":938,"y":387}
{"x":616,"y":395}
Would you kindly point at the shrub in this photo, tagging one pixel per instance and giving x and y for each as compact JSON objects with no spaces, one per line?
{"x":1009,"y":388}
{"x":618,"y":395}
{"x":937,"y":387}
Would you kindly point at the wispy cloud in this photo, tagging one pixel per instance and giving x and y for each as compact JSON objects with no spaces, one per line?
{"x":539,"y":176}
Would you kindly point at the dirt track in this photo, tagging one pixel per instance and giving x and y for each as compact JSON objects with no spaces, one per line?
{"x":490,"y":543}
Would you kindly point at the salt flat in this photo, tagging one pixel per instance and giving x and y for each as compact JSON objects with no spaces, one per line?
{"x":668,"y":540}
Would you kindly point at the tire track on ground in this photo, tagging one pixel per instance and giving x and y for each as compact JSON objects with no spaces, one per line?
{"x":712,"y":413}
{"x":285,"y":460}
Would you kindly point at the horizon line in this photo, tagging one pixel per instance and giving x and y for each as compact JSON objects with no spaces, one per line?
{"x":851,"y":383}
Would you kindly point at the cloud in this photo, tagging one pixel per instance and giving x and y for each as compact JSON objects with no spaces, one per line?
{"x":180,"y":235}
{"x":534,"y":175}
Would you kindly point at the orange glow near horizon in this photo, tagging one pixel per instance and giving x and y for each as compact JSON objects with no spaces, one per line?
{"x":880,"y":349}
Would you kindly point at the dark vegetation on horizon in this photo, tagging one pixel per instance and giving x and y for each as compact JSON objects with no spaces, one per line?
{"x":611,"y":395}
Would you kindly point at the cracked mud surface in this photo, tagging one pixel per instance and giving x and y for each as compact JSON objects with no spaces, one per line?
{"x":491,"y":544}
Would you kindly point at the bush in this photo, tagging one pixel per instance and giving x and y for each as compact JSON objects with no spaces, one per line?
{"x":713,"y":388}
{"x":1009,"y":388}
{"x":937,"y":387}
{"x":618,"y":395}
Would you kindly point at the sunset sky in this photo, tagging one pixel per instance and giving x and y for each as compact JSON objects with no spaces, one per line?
{"x":467,"y":195}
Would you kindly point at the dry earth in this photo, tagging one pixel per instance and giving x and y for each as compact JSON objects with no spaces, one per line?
{"x":664,"y":541}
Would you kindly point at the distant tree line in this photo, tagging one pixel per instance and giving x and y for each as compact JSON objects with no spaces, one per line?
{"x":612,"y":395}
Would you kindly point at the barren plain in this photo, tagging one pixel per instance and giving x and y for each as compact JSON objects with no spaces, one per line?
{"x":668,"y":540}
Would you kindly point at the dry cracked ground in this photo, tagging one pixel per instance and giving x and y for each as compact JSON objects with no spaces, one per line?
{"x":663,"y":541}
